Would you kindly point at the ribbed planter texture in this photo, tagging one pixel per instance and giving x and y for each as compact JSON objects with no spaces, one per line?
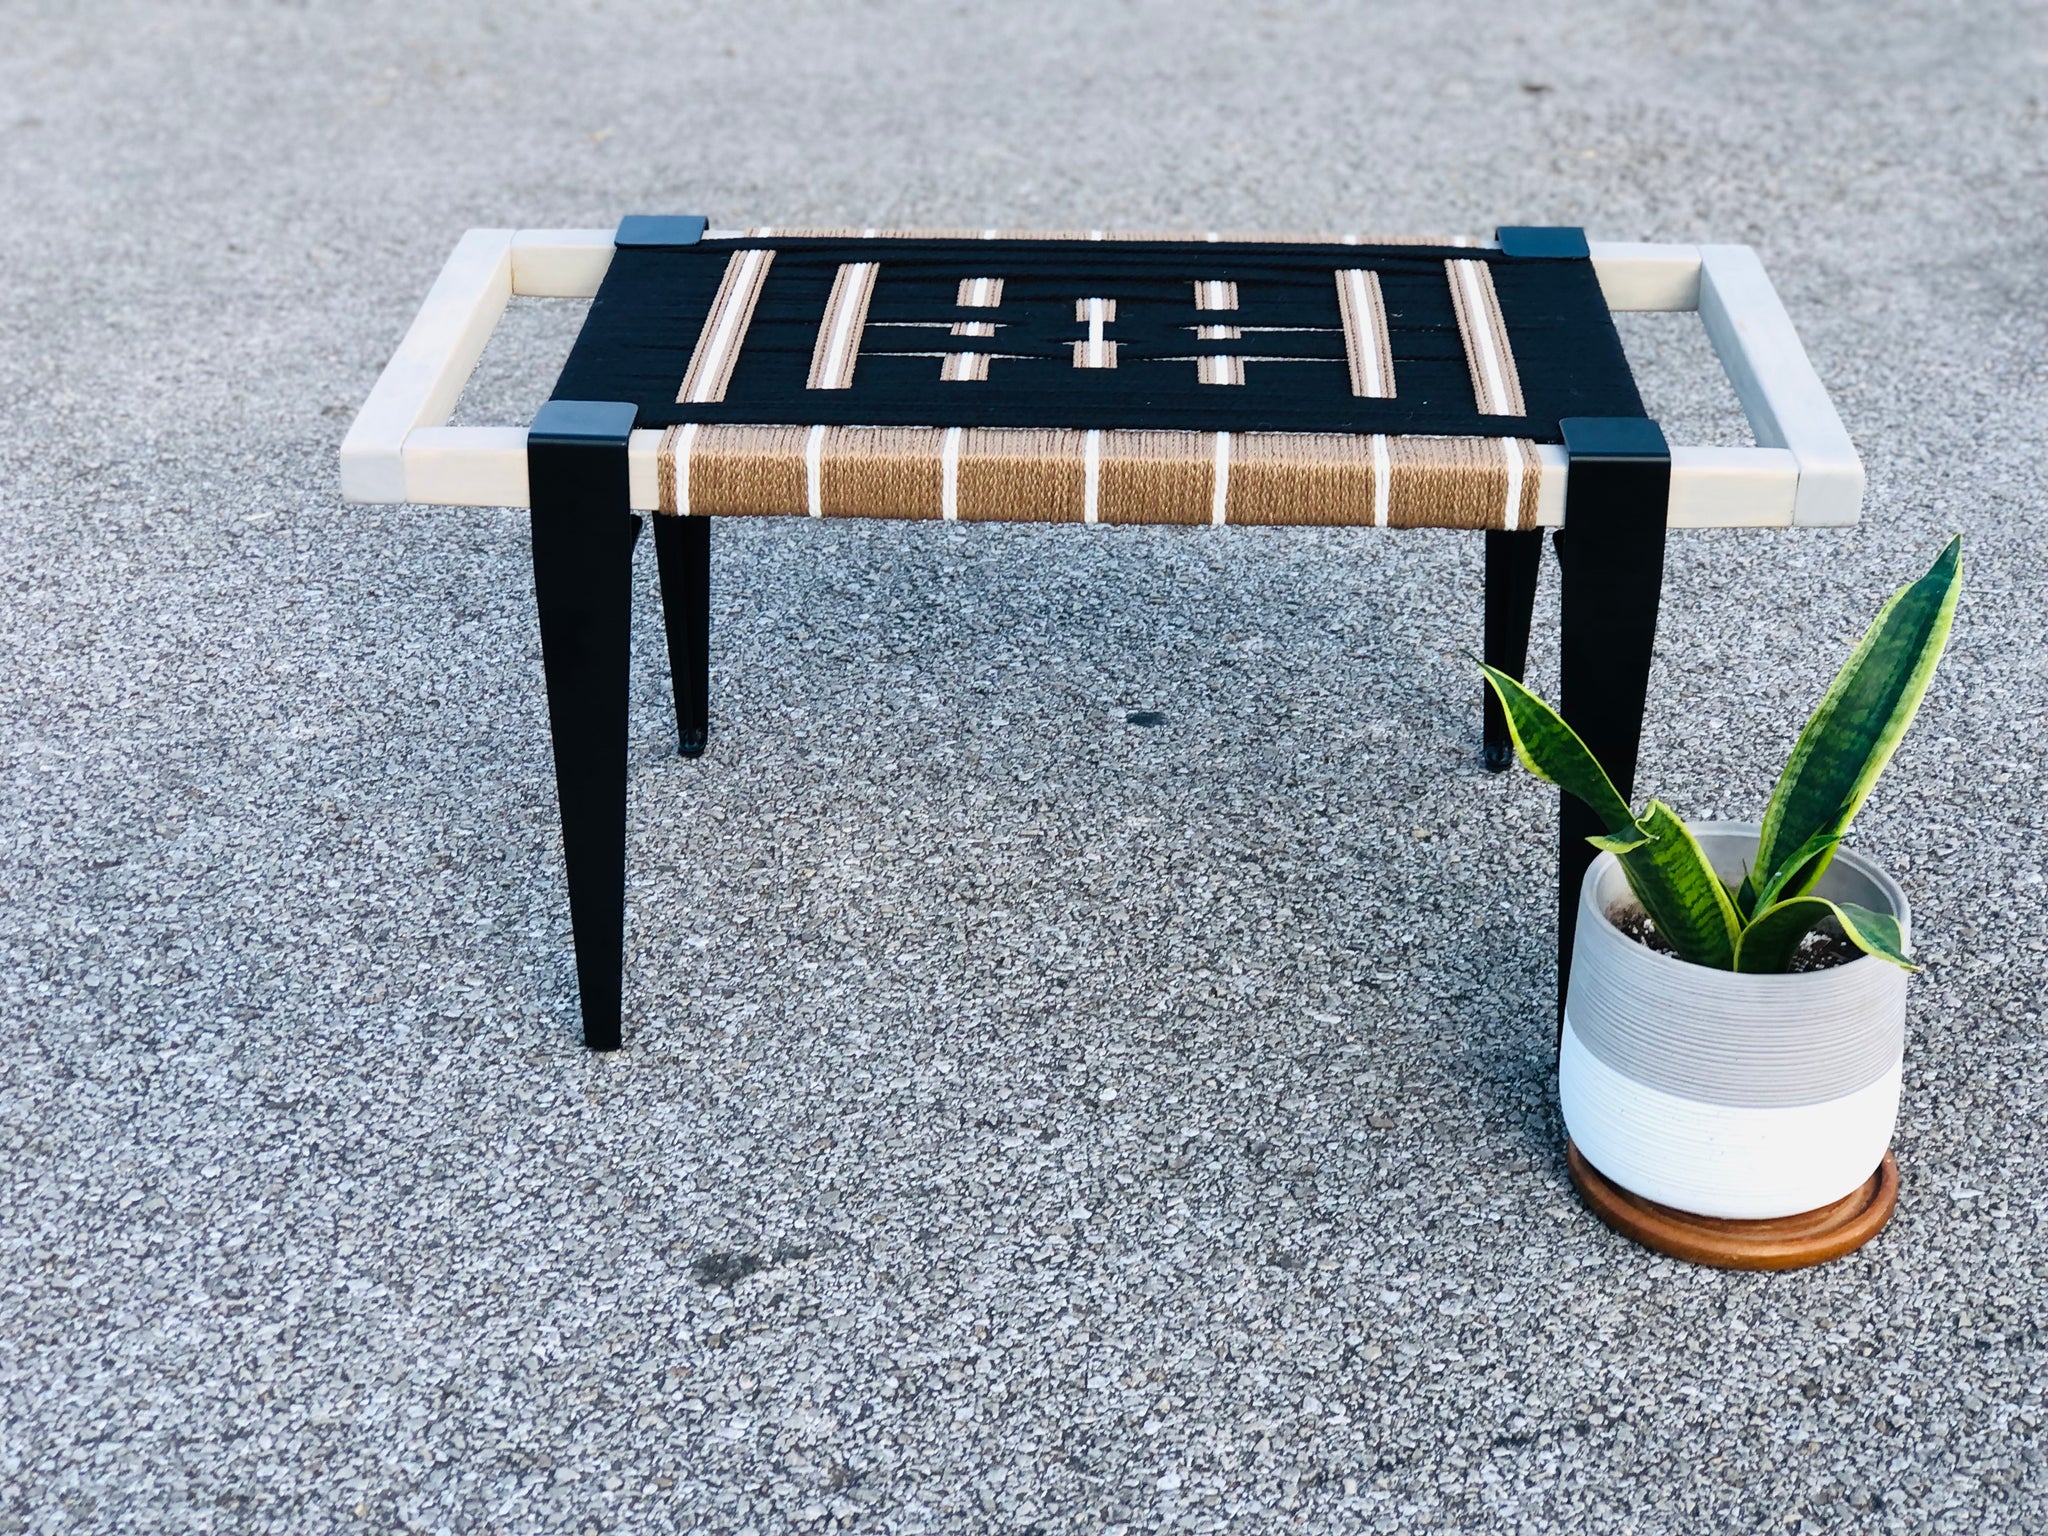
{"x":1724,"y":1095}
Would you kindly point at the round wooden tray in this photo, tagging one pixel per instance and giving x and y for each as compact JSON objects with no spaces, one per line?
{"x":1789,"y":1242}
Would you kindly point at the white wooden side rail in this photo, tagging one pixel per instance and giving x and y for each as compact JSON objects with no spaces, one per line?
{"x":1804,"y":471}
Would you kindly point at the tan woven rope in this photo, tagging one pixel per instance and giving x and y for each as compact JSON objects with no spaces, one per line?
{"x":1302,"y":480}
{"x":1007,"y":474}
{"x":1021,"y":475}
{"x":891,"y":472}
{"x":1157,"y":477}
{"x":1459,"y":482}
{"x":741,"y":470}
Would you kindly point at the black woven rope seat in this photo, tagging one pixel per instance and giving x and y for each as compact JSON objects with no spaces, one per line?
{"x":1072,"y":376}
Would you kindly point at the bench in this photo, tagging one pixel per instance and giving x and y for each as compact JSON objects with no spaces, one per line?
{"x":1073,"y":376}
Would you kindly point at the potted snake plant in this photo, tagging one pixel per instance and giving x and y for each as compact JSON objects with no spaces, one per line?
{"x":1735,"y":1020}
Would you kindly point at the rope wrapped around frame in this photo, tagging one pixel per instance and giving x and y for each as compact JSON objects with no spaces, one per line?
{"x":1007,"y":474}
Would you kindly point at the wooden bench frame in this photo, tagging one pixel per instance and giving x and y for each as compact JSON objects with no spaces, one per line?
{"x":584,"y":472}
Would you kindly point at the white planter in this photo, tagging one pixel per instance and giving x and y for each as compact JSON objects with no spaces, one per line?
{"x":1749,"y":1097}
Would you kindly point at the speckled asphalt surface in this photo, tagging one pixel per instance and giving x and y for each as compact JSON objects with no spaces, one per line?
{"x":1030,"y":1121}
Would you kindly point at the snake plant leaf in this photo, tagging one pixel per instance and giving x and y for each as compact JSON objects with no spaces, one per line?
{"x":1772,"y":937}
{"x":1618,"y":843}
{"x":1822,"y":842}
{"x":1552,"y":751}
{"x":1678,"y":888}
{"x":1854,"y":732}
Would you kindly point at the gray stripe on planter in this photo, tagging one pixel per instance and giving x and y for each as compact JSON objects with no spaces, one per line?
{"x":1743,"y":1041}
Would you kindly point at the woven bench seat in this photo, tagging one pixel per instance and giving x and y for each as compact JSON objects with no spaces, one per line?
{"x":1078,"y":377}
{"x":1116,"y":379}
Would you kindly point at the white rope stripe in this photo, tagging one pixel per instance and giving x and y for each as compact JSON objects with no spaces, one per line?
{"x":1221,"y":368}
{"x":1482,"y":339}
{"x":1221,"y":503}
{"x":1091,"y":477}
{"x":846,"y":313}
{"x":949,"y":476}
{"x":685,"y":441}
{"x":718,"y":344}
{"x":1512,"y":517}
{"x":814,"y":471}
{"x":1365,"y":332}
{"x":1382,"y":480}
{"x":1493,"y":385}
{"x":973,"y":293}
{"x":1096,"y":351}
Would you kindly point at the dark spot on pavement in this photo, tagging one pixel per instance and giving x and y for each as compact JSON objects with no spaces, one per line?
{"x":729,"y":1269}
{"x":725,"y":1269}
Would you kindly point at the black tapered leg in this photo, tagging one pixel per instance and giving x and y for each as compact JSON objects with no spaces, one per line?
{"x":1512,"y":563}
{"x":1612,"y":557}
{"x":683,"y":546}
{"x":583,"y":535}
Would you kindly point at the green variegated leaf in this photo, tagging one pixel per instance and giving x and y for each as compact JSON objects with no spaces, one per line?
{"x":1772,"y":938}
{"x":1822,"y":842}
{"x":1678,"y":888}
{"x":1854,"y":732}
{"x":1552,"y":751}
{"x":1619,"y":843}
{"x":1875,"y":933}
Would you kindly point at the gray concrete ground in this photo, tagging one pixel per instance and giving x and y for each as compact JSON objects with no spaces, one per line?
{"x":1030,"y":1121}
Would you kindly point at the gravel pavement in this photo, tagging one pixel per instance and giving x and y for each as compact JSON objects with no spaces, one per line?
{"x":1031,"y":1120}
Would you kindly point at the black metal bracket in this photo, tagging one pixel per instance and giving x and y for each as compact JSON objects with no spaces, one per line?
{"x":1557,"y":241}
{"x":660,"y":229}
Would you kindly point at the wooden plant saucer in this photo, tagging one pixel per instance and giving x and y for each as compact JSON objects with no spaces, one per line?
{"x":1788,"y":1242}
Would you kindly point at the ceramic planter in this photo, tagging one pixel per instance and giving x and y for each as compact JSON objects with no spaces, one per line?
{"x":1722,"y":1095}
